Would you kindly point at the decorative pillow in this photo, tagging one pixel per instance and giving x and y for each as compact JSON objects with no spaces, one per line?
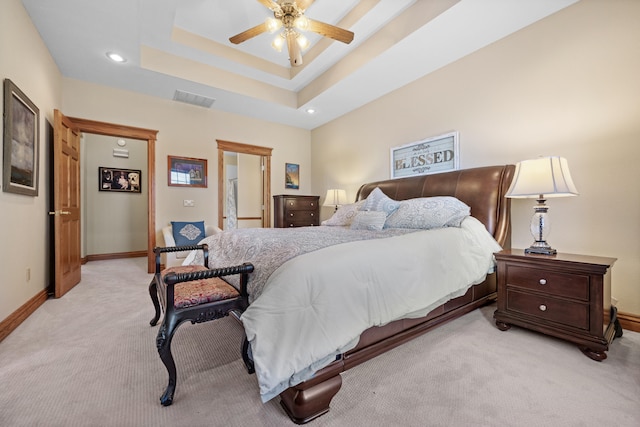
{"x":187,"y":233}
{"x":344,"y":215}
{"x":369,"y":220}
{"x":378,"y":201}
{"x":429,"y":212}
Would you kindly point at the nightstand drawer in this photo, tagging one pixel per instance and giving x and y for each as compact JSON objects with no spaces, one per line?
{"x":552,"y":283}
{"x":300,"y":203}
{"x":565,"y":312}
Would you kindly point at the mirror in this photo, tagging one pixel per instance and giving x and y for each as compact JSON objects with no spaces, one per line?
{"x":244,"y":185}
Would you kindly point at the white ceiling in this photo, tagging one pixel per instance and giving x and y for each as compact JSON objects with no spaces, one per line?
{"x":183,"y":45}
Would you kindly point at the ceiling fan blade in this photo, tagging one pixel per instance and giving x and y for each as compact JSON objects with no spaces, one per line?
{"x":331,"y":31}
{"x":295,"y":54}
{"x":250,"y":33}
{"x":270,"y":4}
{"x":304,"y":4}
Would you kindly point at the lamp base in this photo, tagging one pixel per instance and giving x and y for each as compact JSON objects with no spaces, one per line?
{"x":541,"y":247}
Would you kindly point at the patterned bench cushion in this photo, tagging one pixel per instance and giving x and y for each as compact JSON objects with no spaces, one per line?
{"x":196,"y":292}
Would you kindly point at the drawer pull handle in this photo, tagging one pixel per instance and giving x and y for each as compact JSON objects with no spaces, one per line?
{"x":543,"y":307}
{"x":543,"y":281}
{"x":290,"y":214}
{"x":311,"y":213}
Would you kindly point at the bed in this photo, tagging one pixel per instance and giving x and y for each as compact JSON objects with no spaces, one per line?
{"x":292,"y":298}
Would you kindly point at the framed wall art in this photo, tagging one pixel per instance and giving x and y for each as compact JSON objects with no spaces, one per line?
{"x":432,"y":155}
{"x":292,"y":176}
{"x":187,"y":172}
{"x":21,"y":142}
{"x":119,"y":180}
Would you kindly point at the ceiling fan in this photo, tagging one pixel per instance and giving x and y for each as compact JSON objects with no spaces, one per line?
{"x":289,"y":15}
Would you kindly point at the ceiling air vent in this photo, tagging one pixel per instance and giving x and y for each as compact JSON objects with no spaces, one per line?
{"x":193,"y":99}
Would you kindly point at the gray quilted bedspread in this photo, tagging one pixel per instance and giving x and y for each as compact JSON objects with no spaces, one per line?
{"x":269,"y":248}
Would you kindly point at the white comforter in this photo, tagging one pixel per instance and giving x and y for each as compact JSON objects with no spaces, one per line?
{"x":315,"y":306}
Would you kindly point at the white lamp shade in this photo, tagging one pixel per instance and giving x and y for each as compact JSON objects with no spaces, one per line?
{"x":548,"y":176}
{"x":335,"y":197}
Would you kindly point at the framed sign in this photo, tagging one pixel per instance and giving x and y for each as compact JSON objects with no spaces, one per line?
{"x":187,"y":172}
{"x":292,"y":176}
{"x":21,"y":137}
{"x":119,"y":180}
{"x":431,"y":155}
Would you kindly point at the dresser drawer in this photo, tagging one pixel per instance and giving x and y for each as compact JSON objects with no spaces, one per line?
{"x":301,"y":218}
{"x":552,"y":283}
{"x":300,"y":204}
{"x":568,"y":313}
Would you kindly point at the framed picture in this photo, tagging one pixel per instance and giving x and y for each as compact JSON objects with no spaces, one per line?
{"x":292,"y":176}
{"x":21,"y":142}
{"x":432,"y":155}
{"x":187,"y":172}
{"x":119,"y":180}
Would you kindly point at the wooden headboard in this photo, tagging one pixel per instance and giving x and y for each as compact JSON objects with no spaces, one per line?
{"x":482,"y":188}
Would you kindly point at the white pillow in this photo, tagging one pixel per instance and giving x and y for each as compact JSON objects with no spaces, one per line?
{"x":378,"y":201}
{"x":344,"y":215}
{"x":369,"y":220}
{"x":429,"y":212}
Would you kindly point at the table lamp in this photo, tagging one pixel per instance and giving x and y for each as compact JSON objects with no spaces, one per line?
{"x":335,"y":197}
{"x":541,"y":178}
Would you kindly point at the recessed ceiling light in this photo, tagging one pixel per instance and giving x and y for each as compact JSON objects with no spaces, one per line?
{"x":115,"y":57}
{"x":310,"y":110}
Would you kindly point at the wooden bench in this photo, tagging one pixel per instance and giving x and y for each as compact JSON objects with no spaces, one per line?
{"x":195,"y":293}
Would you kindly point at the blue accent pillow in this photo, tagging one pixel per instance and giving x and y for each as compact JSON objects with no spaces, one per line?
{"x":378,"y":201}
{"x":187,"y":233}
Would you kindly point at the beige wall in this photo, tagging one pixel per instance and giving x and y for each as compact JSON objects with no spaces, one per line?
{"x":23,"y":219}
{"x":189,"y":131}
{"x":113,"y":222}
{"x":567,"y":85}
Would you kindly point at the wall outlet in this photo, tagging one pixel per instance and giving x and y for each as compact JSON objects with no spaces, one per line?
{"x":188,"y":203}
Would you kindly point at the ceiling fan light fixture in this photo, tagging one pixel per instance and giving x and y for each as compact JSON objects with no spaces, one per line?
{"x":278,"y":42}
{"x":301,"y":23}
{"x":273,"y":24}
{"x":302,"y":41}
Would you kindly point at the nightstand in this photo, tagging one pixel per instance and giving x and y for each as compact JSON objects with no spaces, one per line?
{"x":295,"y":211}
{"x":566,"y":296}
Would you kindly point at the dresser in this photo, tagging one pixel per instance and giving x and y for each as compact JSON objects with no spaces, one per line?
{"x":566,"y":296}
{"x":295,"y":211}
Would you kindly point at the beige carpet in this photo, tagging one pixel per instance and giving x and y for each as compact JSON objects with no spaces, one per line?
{"x":89,"y":359}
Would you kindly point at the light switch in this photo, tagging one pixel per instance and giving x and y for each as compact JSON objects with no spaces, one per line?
{"x":188,"y":203}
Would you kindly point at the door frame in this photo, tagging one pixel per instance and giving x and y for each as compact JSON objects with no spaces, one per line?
{"x":265,"y":153}
{"x":110,"y":129}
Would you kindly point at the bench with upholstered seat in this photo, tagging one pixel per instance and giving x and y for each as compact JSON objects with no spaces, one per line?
{"x":195,"y":293}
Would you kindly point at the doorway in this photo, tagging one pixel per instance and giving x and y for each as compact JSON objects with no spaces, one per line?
{"x":237,"y":207}
{"x":148,"y":135}
{"x":113,"y":197}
